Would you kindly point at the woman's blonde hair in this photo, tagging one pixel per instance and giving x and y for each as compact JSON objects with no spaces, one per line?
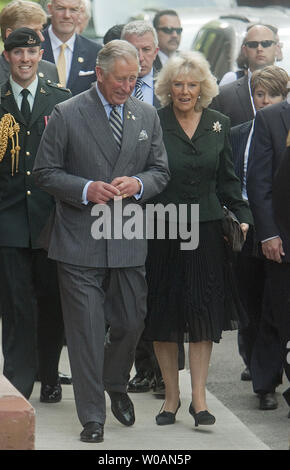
{"x":272,"y":78}
{"x":190,"y":64}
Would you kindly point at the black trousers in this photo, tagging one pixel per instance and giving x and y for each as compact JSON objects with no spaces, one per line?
{"x":279,"y":286}
{"x":258,"y":342}
{"x":32,"y":324}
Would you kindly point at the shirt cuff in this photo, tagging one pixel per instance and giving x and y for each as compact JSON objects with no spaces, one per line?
{"x":271,"y":238}
{"x":84,"y":195}
{"x":138,"y":196}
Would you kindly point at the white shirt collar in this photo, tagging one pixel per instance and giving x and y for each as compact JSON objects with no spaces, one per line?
{"x":56,"y":42}
{"x":148,"y":79}
{"x":17,"y":89}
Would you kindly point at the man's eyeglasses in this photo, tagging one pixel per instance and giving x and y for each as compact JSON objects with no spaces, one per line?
{"x":255,"y":44}
{"x":170,"y":30}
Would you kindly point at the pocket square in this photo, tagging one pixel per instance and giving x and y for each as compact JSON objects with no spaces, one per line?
{"x":83,"y":73}
{"x":143,"y":135}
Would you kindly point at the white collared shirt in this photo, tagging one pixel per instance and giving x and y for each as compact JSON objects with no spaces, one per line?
{"x":17,"y":89}
{"x":56,"y":44}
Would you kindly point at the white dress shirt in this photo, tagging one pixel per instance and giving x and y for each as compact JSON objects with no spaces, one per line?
{"x":56,"y":45}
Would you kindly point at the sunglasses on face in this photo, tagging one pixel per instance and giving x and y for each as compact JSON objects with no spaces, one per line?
{"x":255,"y":44}
{"x":170,"y":30}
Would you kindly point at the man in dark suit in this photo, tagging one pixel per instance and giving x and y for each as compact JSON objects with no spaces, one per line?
{"x":22,"y":13}
{"x":102,"y":274}
{"x":74,"y":55}
{"x":143,"y":36}
{"x":168,"y":28}
{"x":267,"y":149}
{"x":235,"y":99}
{"x":32,"y":318}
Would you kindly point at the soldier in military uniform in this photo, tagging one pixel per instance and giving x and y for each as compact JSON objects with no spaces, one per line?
{"x":32,"y":327}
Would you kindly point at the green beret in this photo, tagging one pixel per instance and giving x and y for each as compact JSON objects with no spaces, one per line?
{"x":22,"y":37}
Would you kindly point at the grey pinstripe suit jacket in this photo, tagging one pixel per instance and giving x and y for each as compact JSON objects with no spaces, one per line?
{"x":78,"y":146}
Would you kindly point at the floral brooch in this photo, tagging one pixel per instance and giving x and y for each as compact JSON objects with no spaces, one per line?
{"x":217,"y":127}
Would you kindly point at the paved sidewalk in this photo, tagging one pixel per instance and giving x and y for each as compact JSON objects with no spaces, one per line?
{"x":58,"y":428}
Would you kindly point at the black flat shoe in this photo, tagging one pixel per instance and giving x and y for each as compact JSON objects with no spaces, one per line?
{"x":166,"y":417}
{"x":202,"y":417}
{"x":92,"y":432}
{"x":50,"y":393}
{"x":122,"y":408}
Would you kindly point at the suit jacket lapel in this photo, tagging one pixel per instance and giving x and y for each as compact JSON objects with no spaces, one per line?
{"x":46,"y":45}
{"x":242,"y":90}
{"x":97,"y":122}
{"x":132,"y":123}
{"x":75,"y":64}
{"x":285,"y":113}
{"x":40,"y":102}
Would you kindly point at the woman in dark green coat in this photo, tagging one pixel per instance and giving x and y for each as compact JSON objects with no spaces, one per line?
{"x":188,"y":297}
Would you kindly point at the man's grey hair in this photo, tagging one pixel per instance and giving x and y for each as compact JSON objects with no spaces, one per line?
{"x":139,"y":27}
{"x":114,"y":50}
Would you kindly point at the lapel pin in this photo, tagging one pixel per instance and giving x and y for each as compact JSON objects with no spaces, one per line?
{"x":81,"y":59}
{"x":8,"y":93}
{"x":41,"y":75}
{"x":42,"y":90}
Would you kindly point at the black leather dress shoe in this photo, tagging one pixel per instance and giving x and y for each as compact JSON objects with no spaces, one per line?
{"x":268,"y":401}
{"x":140,"y":384}
{"x":50,"y":393}
{"x":92,"y":432}
{"x":122,"y":408}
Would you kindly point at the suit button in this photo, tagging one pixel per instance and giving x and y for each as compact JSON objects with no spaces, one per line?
{"x":28,"y":173}
{"x":28,"y":193}
{"x":27,"y":154}
{"x":28,"y":133}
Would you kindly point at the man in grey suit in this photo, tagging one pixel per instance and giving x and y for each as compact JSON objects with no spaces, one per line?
{"x":99,"y":135}
{"x":18,"y":14}
{"x":235,"y":99}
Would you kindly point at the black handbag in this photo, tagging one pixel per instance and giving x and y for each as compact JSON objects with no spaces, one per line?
{"x":232,"y":230}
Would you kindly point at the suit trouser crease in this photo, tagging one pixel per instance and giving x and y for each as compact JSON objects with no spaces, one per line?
{"x":96,"y":300}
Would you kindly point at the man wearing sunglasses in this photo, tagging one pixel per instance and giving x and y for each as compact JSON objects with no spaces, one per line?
{"x":168,"y":27}
{"x":235,"y":99}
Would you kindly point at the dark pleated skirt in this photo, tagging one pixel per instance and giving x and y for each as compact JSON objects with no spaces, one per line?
{"x":192,"y":294}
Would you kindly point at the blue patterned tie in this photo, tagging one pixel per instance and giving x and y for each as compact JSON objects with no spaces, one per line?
{"x":116,"y":125}
{"x":138,"y":89}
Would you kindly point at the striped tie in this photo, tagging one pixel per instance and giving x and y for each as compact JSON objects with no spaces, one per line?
{"x":138,"y":91}
{"x":116,"y":125}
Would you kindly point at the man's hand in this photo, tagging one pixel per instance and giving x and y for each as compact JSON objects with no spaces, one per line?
{"x":127,"y":185}
{"x":273,"y":249}
{"x":100,"y":193}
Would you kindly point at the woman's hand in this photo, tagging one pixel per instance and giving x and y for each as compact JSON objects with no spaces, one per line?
{"x":245,"y":228}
